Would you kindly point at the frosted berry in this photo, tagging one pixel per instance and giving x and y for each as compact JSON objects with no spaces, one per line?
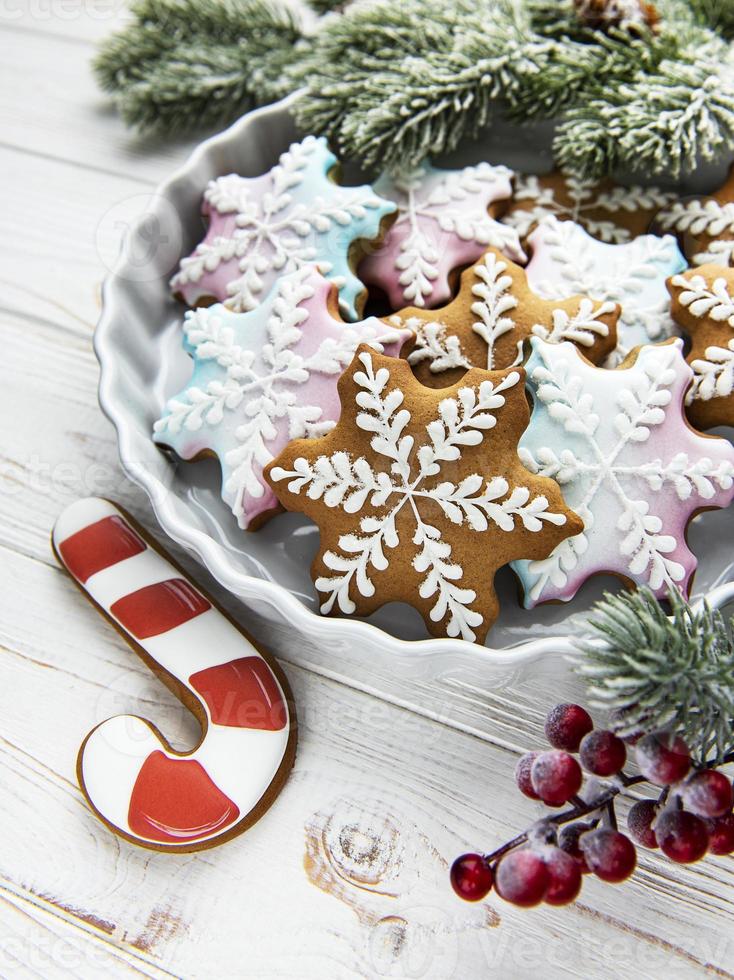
{"x":602,"y":753}
{"x":522,"y":878}
{"x":708,"y":793}
{"x":640,"y":822}
{"x":564,"y":877}
{"x":522,"y":775}
{"x":556,"y":777}
{"x":471,"y":877}
{"x":566,"y":725}
{"x":610,"y":855}
{"x":569,"y":841}
{"x":682,"y":836}
{"x":721,"y":834}
{"x":663,"y":758}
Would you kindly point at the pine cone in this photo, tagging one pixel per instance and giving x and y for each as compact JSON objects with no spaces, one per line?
{"x":603,"y":14}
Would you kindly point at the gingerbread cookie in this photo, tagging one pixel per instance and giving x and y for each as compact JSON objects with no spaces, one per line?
{"x":446,"y":219}
{"x":705,"y":225}
{"x":623,"y":14}
{"x":608,"y":211}
{"x":263,"y":227}
{"x":567,"y":261}
{"x":493,"y":314}
{"x":134,"y":781}
{"x":618,"y":444}
{"x":420,"y":495}
{"x":703,"y":304}
{"x":262,"y":378}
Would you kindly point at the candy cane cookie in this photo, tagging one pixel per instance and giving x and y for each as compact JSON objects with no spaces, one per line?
{"x":140,"y":787}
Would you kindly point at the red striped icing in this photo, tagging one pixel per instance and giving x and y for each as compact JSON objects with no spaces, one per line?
{"x":174,"y":800}
{"x":242,"y":694}
{"x":159,"y":608}
{"x":99,"y":546}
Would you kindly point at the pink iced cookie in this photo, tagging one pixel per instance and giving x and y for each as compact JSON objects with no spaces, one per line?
{"x":443,"y":223}
{"x":263,"y":378}
{"x":629,"y":465}
{"x":263,"y":227}
{"x":566,"y":261}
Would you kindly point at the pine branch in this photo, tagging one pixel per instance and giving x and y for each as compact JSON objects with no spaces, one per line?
{"x":716,"y":14}
{"x":326,"y":6}
{"x":665,"y":121}
{"x":655,"y":671}
{"x":390,"y":84}
{"x":427,"y":75}
{"x":574,"y":74}
{"x":185,"y":62}
{"x":393,"y":83}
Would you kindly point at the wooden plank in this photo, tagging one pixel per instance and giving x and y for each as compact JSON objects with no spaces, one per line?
{"x":346,"y":875}
{"x":60,"y":234}
{"x":41,"y":939}
{"x":50,"y":105}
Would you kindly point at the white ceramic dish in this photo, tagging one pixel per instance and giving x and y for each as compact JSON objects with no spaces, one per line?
{"x":138,"y":346}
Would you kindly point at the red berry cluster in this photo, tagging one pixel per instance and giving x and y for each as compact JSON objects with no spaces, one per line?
{"x":692,"y":815}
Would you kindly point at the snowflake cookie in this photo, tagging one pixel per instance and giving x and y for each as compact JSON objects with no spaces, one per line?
{"x":705,"y":224}
{"x":566,"y":261}
{"x":263,"y":227}
{"x":493,"y":314}
{"x":628,"y":463}
{"x":703,"y":304}
{"x":606,"y":210}
{"x":446,"y":219}
{"x":262,"y":378}
{"x":420,"y":495}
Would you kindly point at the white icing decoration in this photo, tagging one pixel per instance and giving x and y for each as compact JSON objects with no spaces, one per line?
{"x":713,"y":376}
{"x":700,"y":217}
{"x":429,"y":208}
{"x":718,"y":253}
{"x":242,"y":762}
{"x":433,"y":343}
{"x":708,"y":218}
{"x":630,"y":277}
{"x":495,"y":301}
{"x":408,"y":478}
{"x":598,"y":459}
{"x":584,"y":327}
{"x":584,"y":198}
{"x":493,"y":308}
{"x":264,"y":383}
{"x":275,"y":233}
{"x":715,"y":302}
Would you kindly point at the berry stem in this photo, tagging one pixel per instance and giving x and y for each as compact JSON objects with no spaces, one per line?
{"x":611,"y":815}
{"x":581,"y":808}
{"x":692,"y":814}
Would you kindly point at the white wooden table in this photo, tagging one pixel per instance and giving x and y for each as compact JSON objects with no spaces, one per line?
{"x":346,"y":876}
